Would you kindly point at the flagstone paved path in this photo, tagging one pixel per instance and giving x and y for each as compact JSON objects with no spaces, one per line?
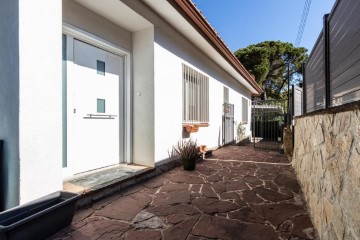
{"x":240,"y":193}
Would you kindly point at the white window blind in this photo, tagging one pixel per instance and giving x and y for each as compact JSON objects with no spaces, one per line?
{"x":195,"y":96}
{"x":245,"y":110}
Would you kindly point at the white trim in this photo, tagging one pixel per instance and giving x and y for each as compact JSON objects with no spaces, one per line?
{"x":94,"y":40}
{"x":128,"y":105}
{"x":195,"y":89}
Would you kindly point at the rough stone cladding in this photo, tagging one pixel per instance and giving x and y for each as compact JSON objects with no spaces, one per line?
{"x":327,"y":162}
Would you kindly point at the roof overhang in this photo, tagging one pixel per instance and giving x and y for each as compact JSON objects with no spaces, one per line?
{"x":118,"y":13}
{"x":188,"y":20}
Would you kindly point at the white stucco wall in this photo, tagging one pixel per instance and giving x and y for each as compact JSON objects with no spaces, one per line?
{"x":31,"y":103}
{"x":81,"y":17}
{"x":9,"y":101}
{"x":171,"y":50}
{"x":40,"y":122}
{"x":143,"y":97}
{"x":236,"y":98}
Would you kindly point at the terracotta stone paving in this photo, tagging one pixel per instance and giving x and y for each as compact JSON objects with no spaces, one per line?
{"x":240,"y":193}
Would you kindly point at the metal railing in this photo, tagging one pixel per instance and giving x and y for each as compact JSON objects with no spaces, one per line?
{"x":228,"y":123}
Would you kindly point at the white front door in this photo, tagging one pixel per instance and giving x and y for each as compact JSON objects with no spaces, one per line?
{"x":97,"y":112}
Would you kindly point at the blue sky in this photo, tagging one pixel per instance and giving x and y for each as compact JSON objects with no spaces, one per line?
{"x":244,"y":22}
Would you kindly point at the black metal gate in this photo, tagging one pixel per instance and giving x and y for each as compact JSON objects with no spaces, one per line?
{"x":228,"y":123}
{"x":268,"y":120}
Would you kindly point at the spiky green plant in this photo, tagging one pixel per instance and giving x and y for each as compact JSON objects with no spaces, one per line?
{"x":187,"y":149}
{"x":188,"y":153}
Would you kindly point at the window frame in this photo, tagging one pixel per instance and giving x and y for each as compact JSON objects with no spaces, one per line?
{"x":195,"y":96}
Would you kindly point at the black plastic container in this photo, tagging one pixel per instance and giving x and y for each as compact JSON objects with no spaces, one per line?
{"x":38,"y":219}
{"x":1,"y":177}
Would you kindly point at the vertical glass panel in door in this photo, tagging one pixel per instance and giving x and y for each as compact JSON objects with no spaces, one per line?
{"x":100,"y":65}
{"x":101,"y":105}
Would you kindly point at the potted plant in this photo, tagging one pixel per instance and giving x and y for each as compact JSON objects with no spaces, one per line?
{"x":240,"y":132}
{"x":188,"y":153}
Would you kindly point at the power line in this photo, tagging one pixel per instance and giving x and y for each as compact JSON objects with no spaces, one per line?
{"x":303,"y":22}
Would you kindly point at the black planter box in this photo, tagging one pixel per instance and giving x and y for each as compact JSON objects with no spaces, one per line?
{"x":1,"y":177}
{"x":38,"y":219}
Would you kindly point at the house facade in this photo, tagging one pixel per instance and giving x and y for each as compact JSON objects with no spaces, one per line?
{"x":88,"y":84}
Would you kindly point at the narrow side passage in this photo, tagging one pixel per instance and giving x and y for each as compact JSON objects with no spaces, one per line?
{"x":240,"y":193}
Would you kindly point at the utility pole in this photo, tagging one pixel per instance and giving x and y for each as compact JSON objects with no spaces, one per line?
{"x":288,"y":103}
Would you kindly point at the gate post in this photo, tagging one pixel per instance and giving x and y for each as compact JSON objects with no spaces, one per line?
{"x":327,"y":60}
{"x":303,"y":65}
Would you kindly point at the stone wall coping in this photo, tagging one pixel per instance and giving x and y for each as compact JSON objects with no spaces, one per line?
{"x":333,"y":110}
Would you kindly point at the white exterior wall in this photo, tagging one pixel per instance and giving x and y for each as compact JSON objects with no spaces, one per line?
{"x":168,"y":104}
{"x":143,"y":97}
{"x":83,"y":18}
{"x":40,"y":122}
{"x":171,"y":50}
{"x":31,"y":103}
{"x":236,"y":98}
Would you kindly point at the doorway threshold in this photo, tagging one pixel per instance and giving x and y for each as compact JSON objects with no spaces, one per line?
{"x":103,"y":182}
{"x":95,"y":185}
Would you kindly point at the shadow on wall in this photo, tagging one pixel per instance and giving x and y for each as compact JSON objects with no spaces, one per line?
{"x":184,"y":49}
{"x":185,"y":134}
{"x":219,"y":137}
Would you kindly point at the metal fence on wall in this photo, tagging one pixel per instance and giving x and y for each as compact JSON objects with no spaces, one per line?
{"x":296,"y":101}
{"x":315,"y":77}
{"x":332,"y":73}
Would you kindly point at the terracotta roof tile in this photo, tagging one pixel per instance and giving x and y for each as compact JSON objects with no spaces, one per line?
{"x":197,"y":18}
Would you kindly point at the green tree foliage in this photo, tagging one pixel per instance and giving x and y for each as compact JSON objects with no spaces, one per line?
{"x":268,"y":62}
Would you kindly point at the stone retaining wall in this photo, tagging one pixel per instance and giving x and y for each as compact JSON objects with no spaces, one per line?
{"x":327,"y":162}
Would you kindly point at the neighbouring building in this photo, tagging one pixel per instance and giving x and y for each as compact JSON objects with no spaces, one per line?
{"x":87,"y":84}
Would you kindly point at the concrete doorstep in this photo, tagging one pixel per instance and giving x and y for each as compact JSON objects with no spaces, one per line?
{"x":96,"y":185}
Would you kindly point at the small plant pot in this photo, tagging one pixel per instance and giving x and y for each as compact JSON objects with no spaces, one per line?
{"x":188,"y":164}
{"x":281,"y":151}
